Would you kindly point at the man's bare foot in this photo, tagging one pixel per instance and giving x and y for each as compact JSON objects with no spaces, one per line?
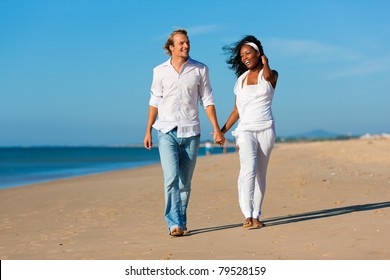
{"x":256,"y":223}
{"x":176,"y":232}
{"x":247,"y":223}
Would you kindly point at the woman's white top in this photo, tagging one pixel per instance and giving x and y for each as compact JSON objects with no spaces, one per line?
{"x":254,"y":104}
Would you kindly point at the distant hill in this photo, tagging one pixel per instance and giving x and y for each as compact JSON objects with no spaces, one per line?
{"x":317,"y":134}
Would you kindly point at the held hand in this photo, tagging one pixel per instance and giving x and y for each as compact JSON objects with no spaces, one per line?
{"x":219,"y":138}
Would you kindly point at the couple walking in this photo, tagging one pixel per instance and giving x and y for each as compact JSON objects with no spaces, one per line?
{"x":178,"y":86}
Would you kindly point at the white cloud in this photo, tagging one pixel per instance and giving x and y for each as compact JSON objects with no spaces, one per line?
{"x":310,"y":51}
{"x":364,"y":67}
{"x":194,"y":30}
{"x":343,"y":61}
{"x":203,"y":29}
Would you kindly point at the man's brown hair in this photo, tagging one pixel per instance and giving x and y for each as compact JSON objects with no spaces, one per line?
{"x":170,"y":42}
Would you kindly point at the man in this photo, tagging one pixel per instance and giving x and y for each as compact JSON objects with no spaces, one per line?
{"x":178,"y":86}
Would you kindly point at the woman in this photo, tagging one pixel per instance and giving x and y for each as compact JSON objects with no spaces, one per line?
{"x":255,"y":133}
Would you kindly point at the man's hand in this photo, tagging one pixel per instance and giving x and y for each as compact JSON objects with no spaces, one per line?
{"x":219,"y":138}
{"x":148,"y":141}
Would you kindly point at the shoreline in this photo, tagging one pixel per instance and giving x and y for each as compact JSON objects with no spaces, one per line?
{"x":324,"y":201}
{"x":65,"y":177}
{"x":73,"y":172}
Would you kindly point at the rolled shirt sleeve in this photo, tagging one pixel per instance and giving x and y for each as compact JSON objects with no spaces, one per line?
{"x":155,"y":90}
{"x":205,"y":90}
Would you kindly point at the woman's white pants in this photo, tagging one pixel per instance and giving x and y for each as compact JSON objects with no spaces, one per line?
{"x":254,"y":149}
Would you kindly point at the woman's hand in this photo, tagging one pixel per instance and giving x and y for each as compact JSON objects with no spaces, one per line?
{"x":264,"y":59}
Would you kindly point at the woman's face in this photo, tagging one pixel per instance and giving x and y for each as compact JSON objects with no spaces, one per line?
{"x":249,"y":56}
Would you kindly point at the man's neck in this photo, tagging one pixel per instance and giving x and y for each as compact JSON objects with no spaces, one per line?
{"x":177,"y":63}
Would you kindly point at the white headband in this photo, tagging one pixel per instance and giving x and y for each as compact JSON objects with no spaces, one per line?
{"x":253,"y":45}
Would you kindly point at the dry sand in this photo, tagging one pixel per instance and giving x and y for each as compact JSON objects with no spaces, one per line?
{"x":325,"y":200}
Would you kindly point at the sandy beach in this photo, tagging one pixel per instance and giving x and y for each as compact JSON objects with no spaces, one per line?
{"x":324,"y":201}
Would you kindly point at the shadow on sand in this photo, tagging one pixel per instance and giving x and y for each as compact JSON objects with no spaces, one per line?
{"x":294,"y":218}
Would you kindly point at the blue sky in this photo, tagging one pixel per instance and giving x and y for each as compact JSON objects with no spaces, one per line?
{"x":79,"y":72}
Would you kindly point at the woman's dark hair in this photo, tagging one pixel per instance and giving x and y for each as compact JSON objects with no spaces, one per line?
{"x":234,"y":57}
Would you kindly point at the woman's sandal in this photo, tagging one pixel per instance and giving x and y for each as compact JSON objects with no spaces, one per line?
{"x":247,"y":223}
{"x":256,"y":224}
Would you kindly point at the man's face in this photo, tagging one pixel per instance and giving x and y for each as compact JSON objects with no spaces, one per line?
{"x":181,"y":46}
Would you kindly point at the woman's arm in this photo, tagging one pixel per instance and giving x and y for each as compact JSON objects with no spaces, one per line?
{"x":269,"y":75}
{"x":234,"y":116}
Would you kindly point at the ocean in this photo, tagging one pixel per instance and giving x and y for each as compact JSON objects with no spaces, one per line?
{"x":22,"y":166}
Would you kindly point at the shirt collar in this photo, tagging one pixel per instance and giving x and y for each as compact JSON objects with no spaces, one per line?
{"x":168,"y":62}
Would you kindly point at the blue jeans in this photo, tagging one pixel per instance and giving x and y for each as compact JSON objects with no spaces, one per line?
{"x":178,"y":159}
